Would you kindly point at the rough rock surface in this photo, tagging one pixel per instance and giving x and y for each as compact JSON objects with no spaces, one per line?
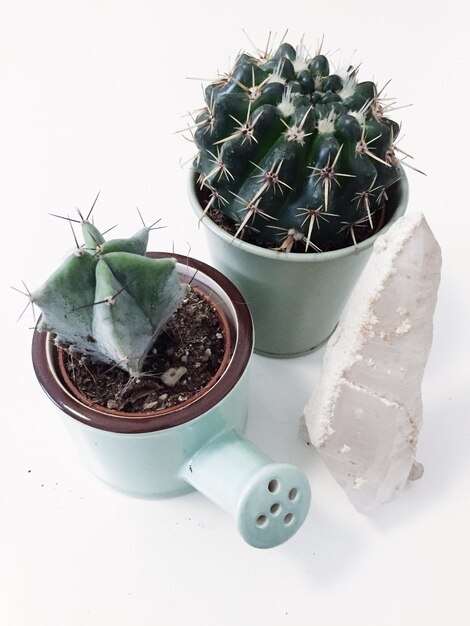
{"x":366,"y":414}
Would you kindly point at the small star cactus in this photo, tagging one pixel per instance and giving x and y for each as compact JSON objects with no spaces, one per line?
{"x":108,"y":300}
{"x":295,"y":157}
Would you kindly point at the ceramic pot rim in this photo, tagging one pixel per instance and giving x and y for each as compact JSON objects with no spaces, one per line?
{"x":45,"y":362}
{"x":298,"y":257}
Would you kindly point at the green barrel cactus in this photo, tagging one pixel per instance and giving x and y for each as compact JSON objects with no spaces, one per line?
{"x":295,"y":157}
{"x":108,"y":300}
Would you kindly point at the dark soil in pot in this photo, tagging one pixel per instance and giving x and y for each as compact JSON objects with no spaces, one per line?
{"x":189,"y":354}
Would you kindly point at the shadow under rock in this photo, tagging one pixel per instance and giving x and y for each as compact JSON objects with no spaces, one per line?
{"x":443,"y":444}
{"x":443,"y":450}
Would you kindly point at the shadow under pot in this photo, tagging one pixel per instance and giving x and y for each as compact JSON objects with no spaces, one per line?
{"x":197,"y":444}
{"x":295,"y":298}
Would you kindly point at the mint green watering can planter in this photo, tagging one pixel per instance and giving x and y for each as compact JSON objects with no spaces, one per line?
{"x":295,"y":299}
{"x":197,"y":446}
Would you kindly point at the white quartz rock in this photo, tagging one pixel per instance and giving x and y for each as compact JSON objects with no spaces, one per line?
{"x":366,"y":413}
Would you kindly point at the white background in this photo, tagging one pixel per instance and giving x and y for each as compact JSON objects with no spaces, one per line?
{"x":91,"y":94}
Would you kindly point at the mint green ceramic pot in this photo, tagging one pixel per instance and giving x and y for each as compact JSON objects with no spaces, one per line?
{"x":198,"y":445}
{"x":295,"y":299}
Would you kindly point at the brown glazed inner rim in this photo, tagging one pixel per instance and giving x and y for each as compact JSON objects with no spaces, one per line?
{"x":45,"y":362}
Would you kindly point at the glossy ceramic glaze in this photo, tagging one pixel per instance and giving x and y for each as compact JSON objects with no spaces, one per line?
{"x":295,"y":299}
{"x":199,"y":445}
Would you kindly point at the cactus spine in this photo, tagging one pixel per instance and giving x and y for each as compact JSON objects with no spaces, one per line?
{"x":297,"y":158}
{"x":108,"y":300}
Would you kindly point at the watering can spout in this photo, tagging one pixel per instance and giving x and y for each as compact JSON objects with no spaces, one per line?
{"x":269,"y":500}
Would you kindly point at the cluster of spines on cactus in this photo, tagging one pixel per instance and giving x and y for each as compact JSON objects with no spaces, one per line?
{"x":108,"y":300}
{"x":296,"y":158}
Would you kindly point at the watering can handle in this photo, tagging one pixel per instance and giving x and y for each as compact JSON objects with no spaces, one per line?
{"x":269,"y":500}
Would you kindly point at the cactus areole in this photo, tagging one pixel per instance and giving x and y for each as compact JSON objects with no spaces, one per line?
{"x":293,"y":156}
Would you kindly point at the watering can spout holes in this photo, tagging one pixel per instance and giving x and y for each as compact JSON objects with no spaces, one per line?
{"x":269,"y":500}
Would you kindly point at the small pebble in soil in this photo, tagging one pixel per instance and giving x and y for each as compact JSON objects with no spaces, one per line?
{"x":172,"y":376}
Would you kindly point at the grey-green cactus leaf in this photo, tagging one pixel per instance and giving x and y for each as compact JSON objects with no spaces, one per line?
{"x":136,"y":297}
{"x":92,"y":236}
{"x":136,"y":244}
{"x":66,"y":301}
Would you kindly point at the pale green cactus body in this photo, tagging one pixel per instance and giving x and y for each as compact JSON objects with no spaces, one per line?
{"x":108,"y":300}
{"x":91,"y":235}
{"x":65,"y":299}
{"x":148,"y":293}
